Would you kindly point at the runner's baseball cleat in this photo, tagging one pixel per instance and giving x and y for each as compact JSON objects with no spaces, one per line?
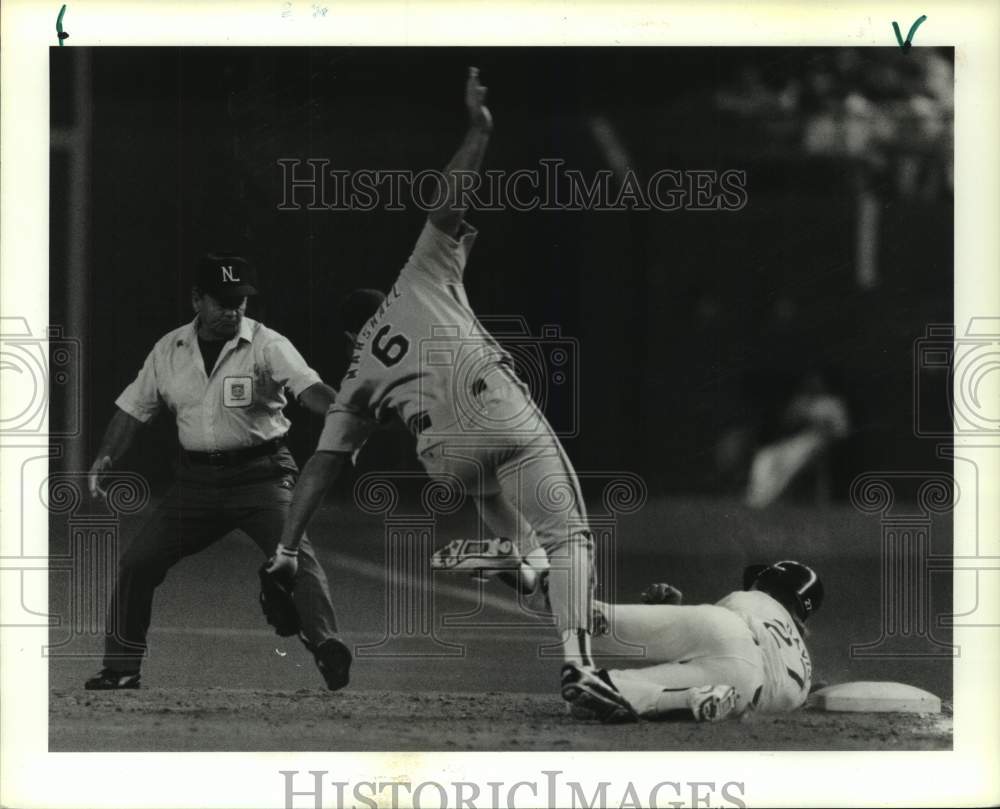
{"x":591,"y":690}
{"x":712,"y":703}
{"x":108,"y":680}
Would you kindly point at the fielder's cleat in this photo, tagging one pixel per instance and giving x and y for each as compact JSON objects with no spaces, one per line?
{"x":333,"y":659}
{"x":108,"y":680}
{"x":712,"y":703}
{"x":592,"y":690}
{"x":481,"y":557}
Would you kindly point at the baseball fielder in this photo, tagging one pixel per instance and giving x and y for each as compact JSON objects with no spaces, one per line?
{"x":422,"y":354}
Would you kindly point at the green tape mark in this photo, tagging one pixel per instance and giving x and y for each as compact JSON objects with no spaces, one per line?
{"x":59,"y":29}
{"x":905,"y":44}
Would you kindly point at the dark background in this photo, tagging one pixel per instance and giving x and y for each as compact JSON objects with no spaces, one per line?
{"x":689,"y":324}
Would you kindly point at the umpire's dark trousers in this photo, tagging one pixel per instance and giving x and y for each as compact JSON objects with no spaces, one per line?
{"x":206,"y":503}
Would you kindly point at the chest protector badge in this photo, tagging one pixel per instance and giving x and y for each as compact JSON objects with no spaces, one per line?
{"x":237,"y":391}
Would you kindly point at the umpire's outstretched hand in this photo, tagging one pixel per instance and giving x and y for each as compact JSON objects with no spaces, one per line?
{"x":100,"y":467}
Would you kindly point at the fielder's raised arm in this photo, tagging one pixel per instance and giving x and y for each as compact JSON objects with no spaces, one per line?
{"x":466,"y":161}
{"x":324,"y":467}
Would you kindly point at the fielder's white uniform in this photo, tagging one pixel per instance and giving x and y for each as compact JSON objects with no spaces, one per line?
{"x":425,"y":357}
{"x":746,"y":640}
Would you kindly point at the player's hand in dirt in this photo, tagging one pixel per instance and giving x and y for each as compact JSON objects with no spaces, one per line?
{"x":284,"y":564}
{"x":662,"y":593}
{"x":100,"y":467}
{"x":475,"y":97}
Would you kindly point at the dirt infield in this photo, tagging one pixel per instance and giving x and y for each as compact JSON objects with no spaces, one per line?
{"x":173,"y":719}
{"x":217,"y":678}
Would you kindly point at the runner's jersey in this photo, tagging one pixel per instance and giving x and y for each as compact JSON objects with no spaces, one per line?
{"x":423,"y":356}
{"x":788,"y":668}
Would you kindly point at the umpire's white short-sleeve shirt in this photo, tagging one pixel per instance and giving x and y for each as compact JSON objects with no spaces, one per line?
{"x":236,"y":404}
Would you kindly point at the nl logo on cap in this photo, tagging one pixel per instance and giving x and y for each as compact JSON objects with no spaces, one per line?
{"x":228,"y":273}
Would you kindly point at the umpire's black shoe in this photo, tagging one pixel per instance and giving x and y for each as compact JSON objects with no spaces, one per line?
{"x":108,"y":680}
{"x":334,"y":661}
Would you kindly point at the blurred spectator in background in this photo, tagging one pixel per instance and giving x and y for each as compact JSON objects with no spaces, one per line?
{"x":888,"y":111}
{"x":813,"y":421}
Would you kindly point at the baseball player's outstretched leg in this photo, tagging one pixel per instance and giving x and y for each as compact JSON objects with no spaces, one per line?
{"x":673,"y":690}
{"x":541,"y":483}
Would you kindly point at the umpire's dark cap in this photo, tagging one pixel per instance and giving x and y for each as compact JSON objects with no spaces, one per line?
{"x":226,"y":274}
{"x":358,"y":307}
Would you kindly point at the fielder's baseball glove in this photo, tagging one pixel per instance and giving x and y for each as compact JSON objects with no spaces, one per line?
{"x":276,"y":602}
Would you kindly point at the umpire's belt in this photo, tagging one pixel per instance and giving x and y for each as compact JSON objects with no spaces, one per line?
{"x":234,"y":457}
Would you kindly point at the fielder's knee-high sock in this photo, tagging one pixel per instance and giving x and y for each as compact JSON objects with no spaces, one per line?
{"x":571,"y":597}
{"x":576,"y":647}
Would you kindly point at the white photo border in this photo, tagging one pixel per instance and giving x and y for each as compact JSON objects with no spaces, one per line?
{"x":965,"y":776}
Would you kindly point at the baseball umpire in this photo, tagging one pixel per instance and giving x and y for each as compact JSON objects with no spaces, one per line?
{"x":223,"y":377}
{"x":421,"y":354}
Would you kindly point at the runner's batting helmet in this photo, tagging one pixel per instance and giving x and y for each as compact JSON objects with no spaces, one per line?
{"x":794,"y":585}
